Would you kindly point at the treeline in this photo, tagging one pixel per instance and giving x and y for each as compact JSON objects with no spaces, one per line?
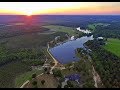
{"x":28,"y":56}
{"x":106,"y":64}
{"x":11,"y":31}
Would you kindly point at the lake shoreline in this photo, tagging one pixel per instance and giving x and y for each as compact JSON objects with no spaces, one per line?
{"x":64,"y":49}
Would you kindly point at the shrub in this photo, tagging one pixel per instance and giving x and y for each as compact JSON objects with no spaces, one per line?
{"x":34,"y":83}
{"x":57,"y":73}
{"x":66,"y":86}
{"x":69,"y":83}
{"x":43,"y":81}
{"x":34,"y":75}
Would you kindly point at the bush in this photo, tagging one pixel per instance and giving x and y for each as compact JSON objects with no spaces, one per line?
{"x":52,"y":63}
{"x":45,"y":69}
{"x":43,"y":81}
{"x":57,"y":73}
{"x":34,"y":75}
{"x":69,"y":83}
{"x":34,"y":83}
{"x":66,"y":86}
{"x":61,"y":79}
{"x":59,"y":86}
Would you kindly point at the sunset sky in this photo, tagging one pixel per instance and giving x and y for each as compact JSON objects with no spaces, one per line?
{"x":60,"y":8}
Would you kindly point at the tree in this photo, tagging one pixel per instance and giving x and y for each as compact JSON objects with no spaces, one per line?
{"x":59,"y":86}
{"x":34,"y":75}
{"x":52,"y":63}
{"x":45,"y":69}
{"x":57,"y":73}
{"x":48,"y":72}
{"x":69,"y":83}
{"x":66,"y":86}
{"x":34,"y":83}
{"x":61,"y":79}
{"x":43,"y":81}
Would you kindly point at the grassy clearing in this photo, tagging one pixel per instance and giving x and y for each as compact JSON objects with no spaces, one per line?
{"x":113,"y":45}
{"x":57,"y":28}
{"x":25,"y":76}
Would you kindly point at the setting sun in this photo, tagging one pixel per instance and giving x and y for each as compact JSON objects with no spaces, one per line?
{"x":29,"y":13}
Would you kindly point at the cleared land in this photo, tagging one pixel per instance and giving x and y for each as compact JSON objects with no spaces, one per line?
{"x":113,"y":46}
{"x":25,"y":76}
{"x":50,"y":81}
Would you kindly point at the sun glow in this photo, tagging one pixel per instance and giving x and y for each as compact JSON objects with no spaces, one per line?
{"x":29,"y":13}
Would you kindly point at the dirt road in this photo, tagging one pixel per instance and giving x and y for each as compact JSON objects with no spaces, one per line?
{"x":55,"y":61}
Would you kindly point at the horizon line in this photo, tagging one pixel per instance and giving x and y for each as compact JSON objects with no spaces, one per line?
{"x":57,"y":14}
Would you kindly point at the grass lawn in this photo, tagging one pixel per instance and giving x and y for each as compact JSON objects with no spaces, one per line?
{"x":113,"y":45}
{"x":58,"y":28}
{"x":25,"y":76}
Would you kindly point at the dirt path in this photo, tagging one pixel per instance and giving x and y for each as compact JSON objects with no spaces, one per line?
{"x":96,"y":76}
{"x":55,"y":61}
{"x":29,"y":81}
{"x":24,"y":84}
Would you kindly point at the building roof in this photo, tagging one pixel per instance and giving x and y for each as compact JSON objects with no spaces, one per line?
{"x":73,"y":77}
{"x":100,"y":37}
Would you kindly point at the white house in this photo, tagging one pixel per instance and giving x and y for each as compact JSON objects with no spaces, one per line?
{"x":100,"y":38}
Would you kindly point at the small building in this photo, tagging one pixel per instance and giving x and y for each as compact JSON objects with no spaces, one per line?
{"x":47,"y":68}
{"x":56,"y":38}
{"x":73,"y":77}
{"x":100,"y":38}
{"x":46,"y":65}
{"x":72,"y":38}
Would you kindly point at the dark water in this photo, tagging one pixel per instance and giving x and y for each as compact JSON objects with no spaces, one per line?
{"x":65,"y":52}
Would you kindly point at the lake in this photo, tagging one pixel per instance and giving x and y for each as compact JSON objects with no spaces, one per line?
{"x":65,"y":52}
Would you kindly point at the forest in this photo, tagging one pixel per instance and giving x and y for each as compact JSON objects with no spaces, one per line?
{"x":110,"y":31}
{"x":106,"y":64}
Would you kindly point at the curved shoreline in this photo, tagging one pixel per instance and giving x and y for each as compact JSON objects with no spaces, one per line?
{"x":55,"y":61}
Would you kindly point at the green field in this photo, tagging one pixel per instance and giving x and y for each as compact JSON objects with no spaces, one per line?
{"x":57,"y":28}
{"x":25,"y":76}
{"x":113,"y":45}
{"x":93,"y":26}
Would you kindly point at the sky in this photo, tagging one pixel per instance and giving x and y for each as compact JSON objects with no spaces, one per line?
{"x":60,"y":8}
